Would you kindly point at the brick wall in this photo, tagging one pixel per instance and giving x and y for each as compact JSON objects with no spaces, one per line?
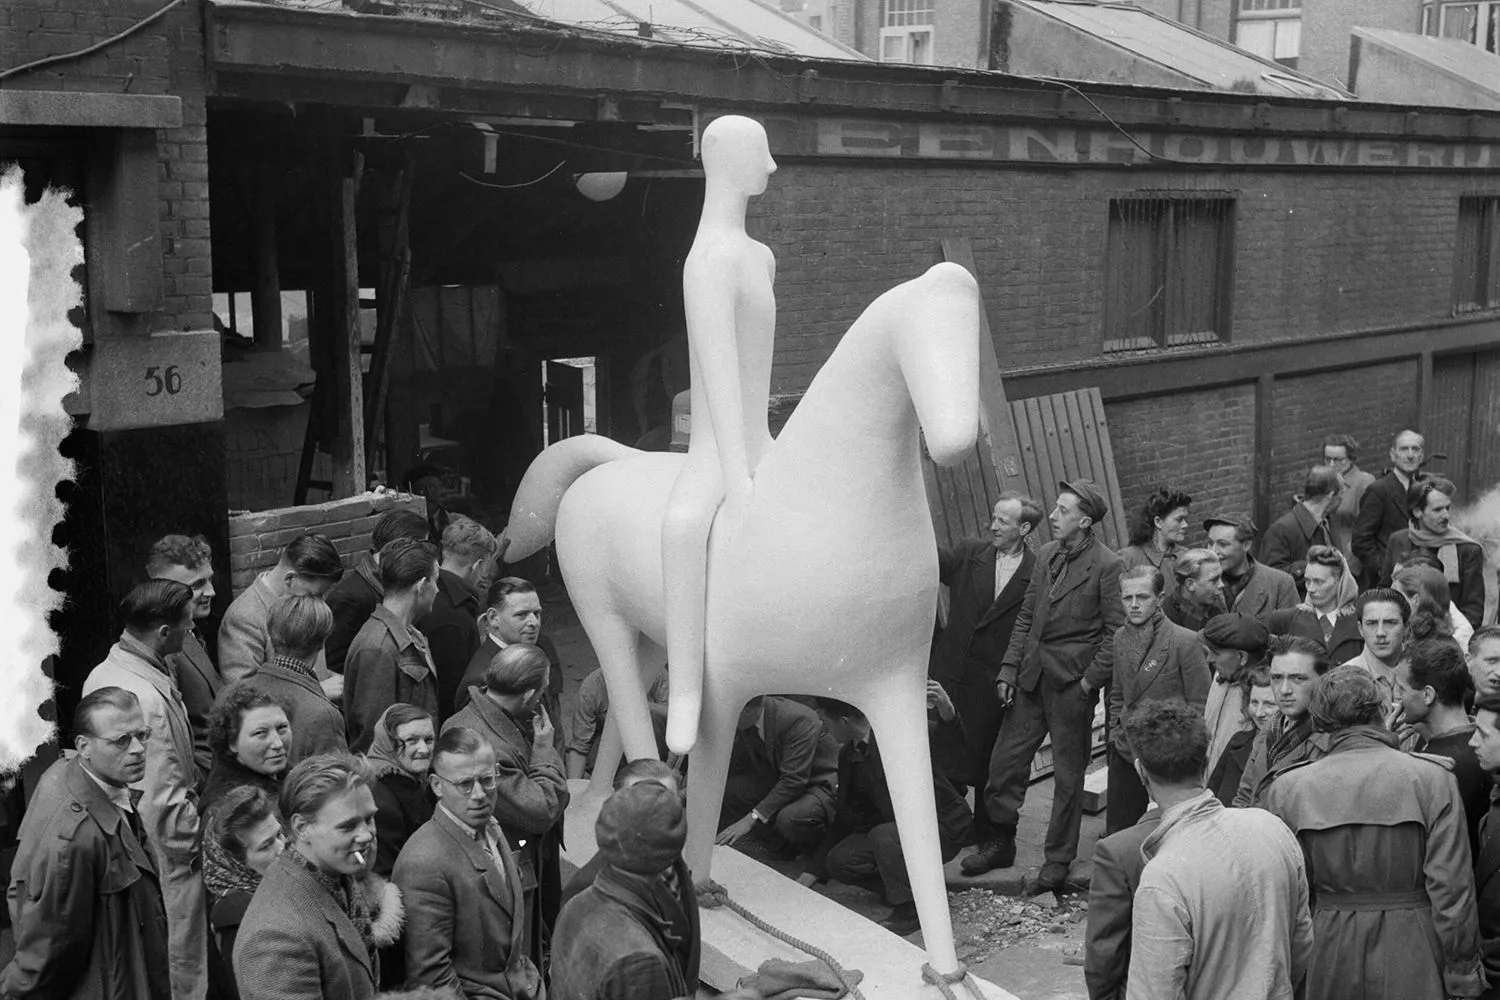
{"x":1198,"y":442}
{"x":166,"y":57}
{"x":256,"y":538}
{"x":1315,"y":253}
{"x":1371,"y":403}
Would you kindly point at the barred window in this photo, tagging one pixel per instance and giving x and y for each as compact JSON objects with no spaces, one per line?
{"x":1476,"y":260}
{"x":1269,"y":6}
{"x":1169,"y":276}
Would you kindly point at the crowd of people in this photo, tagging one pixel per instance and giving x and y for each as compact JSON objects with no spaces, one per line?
{"x":363,"y":790}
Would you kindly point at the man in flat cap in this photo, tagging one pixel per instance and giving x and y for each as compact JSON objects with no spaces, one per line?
{"x":1250,"y":587}
{"x":1236,"y":644}
{"x":1060,"y":654}
{"x":634,"y":933}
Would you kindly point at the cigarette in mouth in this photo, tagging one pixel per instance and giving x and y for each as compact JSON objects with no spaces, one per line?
{"x":360,"y":857}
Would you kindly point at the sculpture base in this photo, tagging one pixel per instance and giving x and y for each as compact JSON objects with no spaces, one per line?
{"x":732,"y":949}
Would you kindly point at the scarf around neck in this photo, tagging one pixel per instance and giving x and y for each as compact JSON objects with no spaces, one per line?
{"x":1065,"y":554}
{"x":223,"y":873}
{"x":1445,"y":545}
{"x":346,"y":894}
{"x":1135,"y":643}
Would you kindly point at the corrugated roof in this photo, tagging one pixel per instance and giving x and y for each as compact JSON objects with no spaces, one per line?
{"x":734,"y":24}
{"x":1176,"y":46}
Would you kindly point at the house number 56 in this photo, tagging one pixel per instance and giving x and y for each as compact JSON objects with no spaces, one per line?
{"x":168,"y":380}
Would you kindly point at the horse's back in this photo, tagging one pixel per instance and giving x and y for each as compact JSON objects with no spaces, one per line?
{"x":609,"y":538}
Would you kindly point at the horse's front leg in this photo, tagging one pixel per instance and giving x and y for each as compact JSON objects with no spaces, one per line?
{"x":896,"y":706}
{"x":615,"y":643}
{"x":708,"y":770}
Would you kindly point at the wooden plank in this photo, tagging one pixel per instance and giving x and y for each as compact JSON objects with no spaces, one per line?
{"x":392,"y":298}
{"x":1424,"y":383}
{"x":265,"y":297}
{"x":348,"y":444}
{"x":1112,"y":475}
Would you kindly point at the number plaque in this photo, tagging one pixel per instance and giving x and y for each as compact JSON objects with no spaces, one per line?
{"x":164,"y":379}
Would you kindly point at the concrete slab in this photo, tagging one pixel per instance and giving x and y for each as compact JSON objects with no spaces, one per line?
{"x":733,"y":948}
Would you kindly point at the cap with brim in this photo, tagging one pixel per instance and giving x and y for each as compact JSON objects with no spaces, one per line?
{"x":1235,"y":521}
{"x":1091,"y":502}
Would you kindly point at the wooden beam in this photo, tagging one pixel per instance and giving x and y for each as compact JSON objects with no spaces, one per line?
{"x":265,"y":295}
{"x":1424,"y":387}
{"x":391,"y":298}
{"x":1265,"y":399}
{"x":347,"y":442}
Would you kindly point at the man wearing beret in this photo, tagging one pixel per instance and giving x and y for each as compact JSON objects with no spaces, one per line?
{"x":634,"y":933}
{"x":1235,"y":644}
{"x":1060,"y":654}
{"x":1250,"y":587}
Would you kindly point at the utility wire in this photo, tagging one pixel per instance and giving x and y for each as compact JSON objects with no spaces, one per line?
{"x":512,"y":187}
{"x":68,"y":56}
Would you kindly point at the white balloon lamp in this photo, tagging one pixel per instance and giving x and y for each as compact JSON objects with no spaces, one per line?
{"x":600,"y":186}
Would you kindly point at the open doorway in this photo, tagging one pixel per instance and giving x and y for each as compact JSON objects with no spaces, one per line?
{"x":570,"y":399}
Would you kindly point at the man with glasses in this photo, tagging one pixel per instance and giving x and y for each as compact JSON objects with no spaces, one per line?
{"x":158,"y":615}
{"x":85,"y":901}
{"x":466,"y":930}
{"x":532,"y":793}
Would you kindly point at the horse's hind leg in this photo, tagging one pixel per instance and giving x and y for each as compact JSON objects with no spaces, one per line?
{"x":615,"y":643}
{"x":897,"y":710}
{"x":708,"y":769}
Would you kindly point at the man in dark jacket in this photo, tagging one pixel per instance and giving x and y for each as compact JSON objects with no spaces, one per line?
{"x":1304,"y":526}
{"x":1430,"y":501}
{"x":634,"y":934}
{"x":1486,"y":744}
{"x":452,"y":626}
{"x":389,"y":661}
{"x":863,"y":842}
{"x":84,"y":897}
{"x":1384,"y":509}
{"x":358,"y":594}
{"x":782,"y":773}
{"x":532,"y":791}
{"x":1117,"y":873}
{"x":1250,"y":587}
{"x":188,"y":560}
{"x":465,"y":908}
{"x":1060,"y":655}
{"x":1431,"y":684}
{"x":512,"y":613}
{"x":986,"y":580}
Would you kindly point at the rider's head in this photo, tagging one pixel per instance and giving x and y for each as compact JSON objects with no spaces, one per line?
{"x":736,"y":153}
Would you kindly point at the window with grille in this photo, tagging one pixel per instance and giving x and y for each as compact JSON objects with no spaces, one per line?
{"x":1476,"y":265}
{"x":905,"y":13}
{"x":1170,"y":271}
{"x":1271,"y":29}
{"x":906,"y":31}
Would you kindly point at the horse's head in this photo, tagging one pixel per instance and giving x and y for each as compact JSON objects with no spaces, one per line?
{"x":937,"y":345}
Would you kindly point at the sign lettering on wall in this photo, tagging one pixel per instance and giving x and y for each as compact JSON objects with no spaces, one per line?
{"x":1104,"y":146}
{"x":164,"y":379}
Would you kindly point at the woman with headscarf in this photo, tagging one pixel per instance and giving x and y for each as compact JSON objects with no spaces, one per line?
{"x":399,"y":758}
{"x":1327,"y":615}
{"x":242,"y":837}
{"x":314,"y":927}
{"x":251,"y":739}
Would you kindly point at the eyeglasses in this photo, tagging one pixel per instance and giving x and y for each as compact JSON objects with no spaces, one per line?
{"x":122,"y":742}
{"x":412,"y":742}
{"x":466,"y":787}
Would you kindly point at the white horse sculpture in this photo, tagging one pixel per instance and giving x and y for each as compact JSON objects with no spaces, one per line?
{"x":825,"y":584}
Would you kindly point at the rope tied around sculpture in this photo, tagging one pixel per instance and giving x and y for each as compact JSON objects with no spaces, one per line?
{"x":944,"y":980}
{"x":712,"y":895}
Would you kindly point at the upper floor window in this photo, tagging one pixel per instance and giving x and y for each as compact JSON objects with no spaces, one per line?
{"x":1170,"y":270}
{"x":1271,"y":29}
{"x":1475,"y":23}
{"x":1476,"y":259}
{"x":906,"y":31}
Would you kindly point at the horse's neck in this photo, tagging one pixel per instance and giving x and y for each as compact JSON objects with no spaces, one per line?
{"x":855,"y":429}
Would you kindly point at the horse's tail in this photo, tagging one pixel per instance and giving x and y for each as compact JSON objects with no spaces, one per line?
{"x":533,"y":513}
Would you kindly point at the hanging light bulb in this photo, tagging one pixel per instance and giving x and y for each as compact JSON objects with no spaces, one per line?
{"x":600,"y":186}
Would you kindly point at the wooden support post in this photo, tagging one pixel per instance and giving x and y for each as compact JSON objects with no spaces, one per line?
{"x":348,"y":444}
{"x":265,"y":296}
{"x":391,"y":296}
{"x":1265,"y":397}
{"x":1424,"y":389}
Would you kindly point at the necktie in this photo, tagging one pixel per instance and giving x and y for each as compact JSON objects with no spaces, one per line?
{"x":1327,"y":629}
